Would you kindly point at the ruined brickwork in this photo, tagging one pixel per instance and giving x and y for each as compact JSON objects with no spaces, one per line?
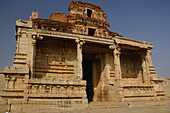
{"x":69,"y":60}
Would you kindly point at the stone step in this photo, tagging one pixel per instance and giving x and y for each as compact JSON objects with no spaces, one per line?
{"x":106,"y":105}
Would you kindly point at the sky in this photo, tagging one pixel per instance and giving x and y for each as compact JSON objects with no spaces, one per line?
{"x":144,"y":20}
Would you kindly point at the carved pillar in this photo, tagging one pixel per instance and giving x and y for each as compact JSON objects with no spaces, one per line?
{"x":149,"y":57}
{"x":34,"y":89}
{"x":12,"y":83}
{"x":145,"y":66}
{"x":118,"y":73}
{"x":69,"y":90}
{"x":53,"y":91}
{"x":148,"y":61}
{"x":57,"y":89}
{"x":43,"y":91}
{"x":79,"y":58}
{"x":33,"y":52}
{"x":29,"y":88}
{"x":18,"y":35}
{"x":7,"y":79}
{"x":116,"y":53}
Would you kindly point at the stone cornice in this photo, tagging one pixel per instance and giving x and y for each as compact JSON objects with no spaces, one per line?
{"x":132,"y":42}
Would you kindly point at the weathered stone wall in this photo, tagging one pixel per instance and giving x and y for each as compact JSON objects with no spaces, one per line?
{"x":55,"y":59}
{"x":59,"y":17}
{"x":166,"y":86}
{"x":2,"y":83}
{"x":3,"y":106}
{"x":131,"y":64}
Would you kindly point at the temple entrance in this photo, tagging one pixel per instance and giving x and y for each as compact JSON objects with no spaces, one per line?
{"x":92,"y":69}
{"x":88,"y":76}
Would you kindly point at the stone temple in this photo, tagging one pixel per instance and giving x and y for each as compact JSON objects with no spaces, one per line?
{"x":67,"y":61}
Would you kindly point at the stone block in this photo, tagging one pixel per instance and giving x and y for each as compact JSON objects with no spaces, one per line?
{"x":59,"y":17}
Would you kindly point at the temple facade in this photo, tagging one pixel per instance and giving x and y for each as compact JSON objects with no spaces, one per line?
{"x":70,"y":60}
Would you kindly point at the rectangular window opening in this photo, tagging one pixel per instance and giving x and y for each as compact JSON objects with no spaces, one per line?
{"x":89,"y":13}
{"x":91,"y":31}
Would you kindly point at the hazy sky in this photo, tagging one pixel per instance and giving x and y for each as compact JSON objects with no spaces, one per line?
{"x":145,"y":20}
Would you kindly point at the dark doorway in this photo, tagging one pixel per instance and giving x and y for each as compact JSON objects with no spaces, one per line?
{"x":88,"y":76}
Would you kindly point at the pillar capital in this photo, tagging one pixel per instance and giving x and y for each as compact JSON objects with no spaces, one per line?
{"x":116,"y":49}
{"x":79,"y":41}
{"x":149,"y":51}
{"x":112,"y":46}
{"x":37,"y":37}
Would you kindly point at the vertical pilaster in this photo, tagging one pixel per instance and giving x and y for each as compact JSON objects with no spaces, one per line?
{"x":107,"y":66}
{"x":26,"y":88}
{"x":79,"y":58}
{"x":33,"y":53}
{"x":7,"y":79}
{"x":147,"y":66}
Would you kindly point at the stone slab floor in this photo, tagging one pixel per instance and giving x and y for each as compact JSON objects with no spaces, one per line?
{"x":140,"y":109}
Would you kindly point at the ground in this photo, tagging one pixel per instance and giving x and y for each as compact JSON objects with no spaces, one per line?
{"x":141,"y":109}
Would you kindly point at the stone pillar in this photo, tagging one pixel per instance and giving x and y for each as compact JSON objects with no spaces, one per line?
{"x":149,"y":57}
{"x":12,"y":83}
{"x":33,"y":53}
{"x":116,"y":53}
{"x":7,"y":79}
{"x":79,"y":58}
{"x":18,"y":35}
{"x":43,"y":90}
{"x":145,"y":66}
{"x":118,"y":73}
{"x":148,"y":61}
